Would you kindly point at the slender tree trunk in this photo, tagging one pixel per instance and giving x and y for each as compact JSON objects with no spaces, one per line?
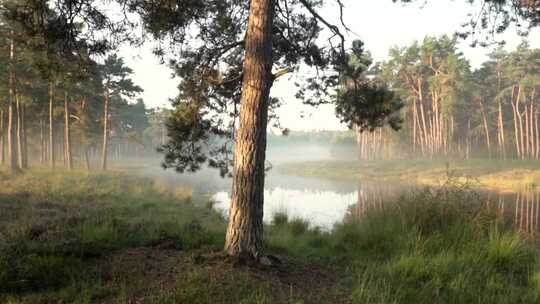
{"x":67,"y":133}
{"x":468,"y":140}
{"x":414,"y":119}
{"x":12,"y":135}
{"x":526,"y":135}
{"x":52,"y":160}
{"x":422,"y":113}
{"x":486,"y":126}
{"x":421,"y":140}
{"x":520,"y":121}
{"x":105,"y":143}
{"x":245,"y":232}
{"x":532,"y":138}
{"x":24,"y":138}
{"x":502,"y":144}
{"x":12,"y":117}
{"x":451,"y":128}
{"x":41,"y":142}
{"x":516,"y":129}
{"x":19,"y":130}
{"x":86,"y":159}
{"x":358,"y":141}
{"x":536,"y":135}
{"x":2,"y":131}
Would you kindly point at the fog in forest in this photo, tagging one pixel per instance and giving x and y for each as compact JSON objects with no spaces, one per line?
{"x":269,"y":151}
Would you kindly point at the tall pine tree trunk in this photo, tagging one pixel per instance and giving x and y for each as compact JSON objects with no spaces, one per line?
{"x":12,"y":117}
{"x":24,"y":138}
{"x":52,"y":159}
{"x":19,"y":130}
{"x":67,"y":135}
{"x":486,"y":126}
{"x":502,"y":144}
{"x":105,"y":143}
{"x":414,"y":119}
{"x":2,"y":144}
{"x":516,"y":128}
{"x":41,"y":143}
{"x":422,"y":115}
{"x":358,"y":141}
{"x":527,"y":138}
{"x":245,"y":231}
{"x":536,"y":135}
{"x":531,"y":132}
{"x":520,"y":123}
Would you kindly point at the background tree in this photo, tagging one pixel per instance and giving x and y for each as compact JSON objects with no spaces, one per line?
{"x":116,"y":85}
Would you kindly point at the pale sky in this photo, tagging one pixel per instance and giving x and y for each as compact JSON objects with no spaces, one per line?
{"x":381,"y":24}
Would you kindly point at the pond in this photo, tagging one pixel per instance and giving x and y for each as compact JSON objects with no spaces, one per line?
{"x":325,"y":202}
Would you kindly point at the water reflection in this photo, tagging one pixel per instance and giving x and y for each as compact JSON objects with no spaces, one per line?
{"x":520,"y":208}
{"x":324,"y":202}
{"x":321,"y":208}
{"x":324,"y":208}
{"x":523,"y":207}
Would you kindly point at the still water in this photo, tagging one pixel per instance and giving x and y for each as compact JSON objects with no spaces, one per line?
{"x":325,"y":202}
{"x":320,"y":201}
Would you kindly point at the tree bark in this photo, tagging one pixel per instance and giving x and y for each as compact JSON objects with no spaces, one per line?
{"x":520,"y":121}
{"x":24,"y":138}
{"x":502,"y":144}
{"x":105,"y":143}
{"x":12,"y":118}
{"x":41,"y":143}
{"x":422,"y":114}
{"x":67,"y":135}
{"x":486,"y":126}
{"x":516,"y":129}
{"x":536,"y":135}
{"x":2,"y":143}
{"x":52,"y":159}
{"x":532,"y":138}
{"x":19,"y":130}
{"x":414,"y":118}
{"x":245,"y":231}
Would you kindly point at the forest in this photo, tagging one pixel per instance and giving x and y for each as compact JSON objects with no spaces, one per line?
{"x":56,"y":111}
{"x":452,"y":110}
{"x":427,"y":192}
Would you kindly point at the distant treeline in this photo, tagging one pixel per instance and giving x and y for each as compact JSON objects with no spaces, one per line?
{"x":61,"y":110}
{"x":452,"y":110}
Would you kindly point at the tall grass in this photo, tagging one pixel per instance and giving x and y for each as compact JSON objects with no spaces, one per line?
{"x":53,"y":223}
{"x":432,"y":246}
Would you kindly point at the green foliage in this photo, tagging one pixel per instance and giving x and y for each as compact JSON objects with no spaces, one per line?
{"x":362,"y":102}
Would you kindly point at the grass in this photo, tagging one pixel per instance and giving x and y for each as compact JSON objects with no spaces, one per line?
{"x":119,"y":238}
{"x":77,"y":237}
{"x":508,"y":175}
{"x":433,"y":246}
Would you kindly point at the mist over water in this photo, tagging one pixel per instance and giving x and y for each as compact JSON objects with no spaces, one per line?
{"x":323,"y":202}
